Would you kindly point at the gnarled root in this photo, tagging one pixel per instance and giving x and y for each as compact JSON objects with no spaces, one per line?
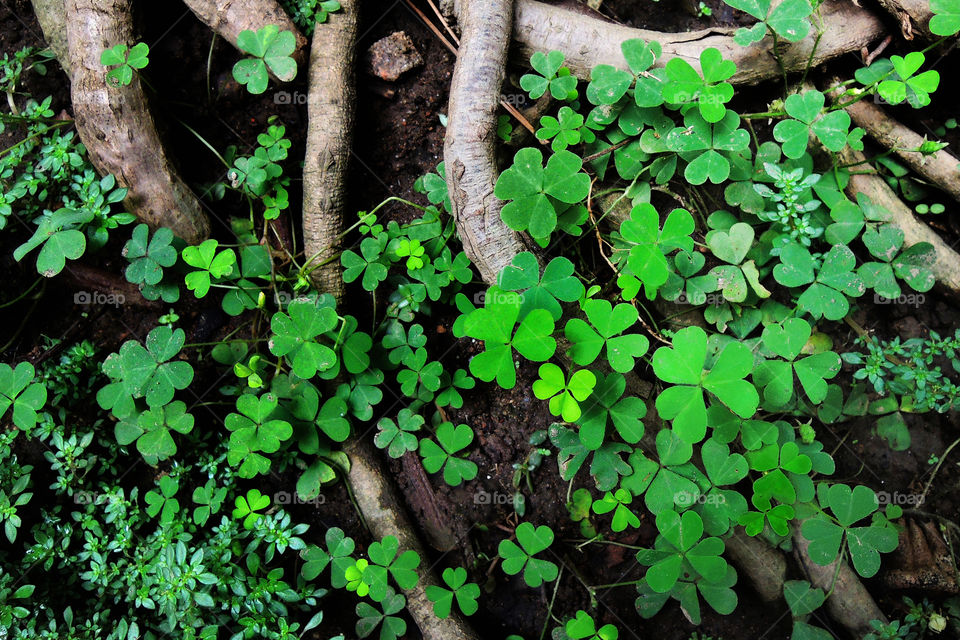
{"x":330,"y":114}
{"x":116,"y":126}
{"x":587,"y":42}
{"x":470,"y":142}
{"x":227,"y":18}
{"x":912,"y":15}
{"x":384,"y":515}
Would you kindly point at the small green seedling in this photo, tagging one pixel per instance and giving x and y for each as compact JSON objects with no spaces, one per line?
{"x":125,"y":60}
{"x":465,"y":593}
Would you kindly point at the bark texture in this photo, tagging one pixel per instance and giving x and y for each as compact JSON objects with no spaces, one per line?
{"x":764,"y":566}
{"x":469,"y":147}
{"x":912,"y":15}
{"x":384,"y":515}
{"x":51,"y":14}
{"x":587,"y":42}
{"x":228,"y":18}
{"x":116,"y":126}
{"x":330,"y":115}
{"x":851,"y":604}
{"x":940,"y":168}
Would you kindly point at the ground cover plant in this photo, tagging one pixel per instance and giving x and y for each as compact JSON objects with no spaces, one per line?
{"x":623,"y":353}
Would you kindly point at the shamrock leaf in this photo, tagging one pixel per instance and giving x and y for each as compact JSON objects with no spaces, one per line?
{"x":683,"y":366}
{"x":705,"y":146}
{"x":248,"y":506}
{"x":582,"y":627}
{"x":648,"y":245}
{"x":494,"y":325}
{"x":452,"y":440}
{"x":565,"y":130}
{"x":915,"y":89}
{"x":151,"y":430}
{"x":618,"y":503}
{"x":684,"y":85}
{"x":253,"y":431}
{"x":665,"y":481}
{"x":385,"y":560}
{"x":269,"y":48}
{"x":912,"y":265}
{"x":607,"y":323}
{"x":830,"y":128}
{"x":827,"y":294}
{"x":465,"y":593}
{"x":165,"y":502}
{"x":148,"y":258}
{"x":19,"y":390}
{"x":367,"y":264}
{"x":521,"y":558}
{"x":139,"y":372}
{"x":125,"y":60}
{"x":787,"y":340}
{"x":801,"y":597}
{"x":720,"y":507}
{"x":296,"y":332}
{"x":946,"y":18}
{"x":552,"y":75}
{"x":61,"y":238}
{"x":211,"y":265}
{"x":607,"y":404}
{"x":680,"y":547}
{"x":558,"y":283}
{"x":775,"y":461}
{"x":532,"y":189}
{"x":564,"y":396}
{"x":788,"y":19}
{"x":399,"y":437}
{"x":391,"y":625}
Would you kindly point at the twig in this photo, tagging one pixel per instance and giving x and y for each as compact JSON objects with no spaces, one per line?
{"x":610,"y":149}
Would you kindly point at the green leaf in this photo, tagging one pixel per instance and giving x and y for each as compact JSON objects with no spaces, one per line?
{"x":558,"y":283}
{"x":296,"y":336}
{"x":564,"y":396}
{"x":649,"y":245}
{"x":211,"y":265}
{"x":608,"y":323}
{"x":685,"y":85}
{"x":946,"y":18}
{"x":18,"y":390}
{"x":532,"y":540}
{"x":148,"y":256}
{"x":443,"y":456}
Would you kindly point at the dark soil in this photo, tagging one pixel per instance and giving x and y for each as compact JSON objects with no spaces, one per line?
{"x":399,"y":137}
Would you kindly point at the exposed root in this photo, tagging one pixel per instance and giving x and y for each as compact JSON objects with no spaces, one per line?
{"x":765,"y":567}
{"x":116,"y":126}
{"x":228,"y":18}
{"x":50,"y":15}
{"x":912,"y":15}
{"x":470,"y":141}
{"x":850,"y":604}
{"x":330,"y":114}
{"x":587,"y":42}
{"x":940,"y":168}
{"x":384,"y":515}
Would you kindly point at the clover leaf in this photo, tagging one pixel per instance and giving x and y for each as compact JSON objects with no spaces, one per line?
{"x":61,"y":238}
{"x":607,"y":404}
{"x":367,"y":263}
{"x":607,"y":323}
{"x":18,"y":389}
{"x":399,"y":437}
{"x":606,"y":467}
{"x":521,"y":558}
{"x":552,"y":75}
{"x":705,"y":145}
{"x":617,"y":502}
{"x":915,"y":89}
{"x":775,"y":461}
{"x":211,"y":265}
{"x":582,"y":627}
{"x":419,"y":378}
{"x":830,"y":128}
{"x":391,"y":625}
{"x":829,"y":286}
{"x":443,"y":456}
{"x":664,"y":481}
{"x":684,"y":85}
{"x":125,"y":60}
{"x":247,"y":507}
{"x":558,"y":283}
{"x":385,"y":560}
{"x":465,"y":593}
{"x":532,"y":189}
{"x":148,"y":256}
{"x":911,"y":265}
{"x":946,"y":17}
{"x":494,"y":325}
{"x":564,"y":395}
{"x":788,"y":20}
{"x":865,"y":543}
{"x":165,"y":502}
{"x":679,"y":548}
{"x":565,"y":130}
{"x":787,"y":340}
{"x":296,"y":332}
{"x":719,"y":507}
{"x":731,"y":246}
{"x":683,"y":366}
{"x":253,"y":431}
{"x":151,"y":430}
{"x":609,"y":84}
{"x":648,"y":245}
{"x":138,"y":372}
{"x":269,"y":48}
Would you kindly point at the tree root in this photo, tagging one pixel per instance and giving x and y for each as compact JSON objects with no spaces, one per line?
{"x":913,"y":16}
{"x":384,"y":515}
{"x":941,"y":168}
{"x":116,"y":126}
{"x":850,"y":604}
{"x":470,"y":143}
{"x":50,"y":14}
{"x":227,"y":18}
{"x":330,"y":115}
{"x":765,"y":566}
{"x":587,"y":42}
